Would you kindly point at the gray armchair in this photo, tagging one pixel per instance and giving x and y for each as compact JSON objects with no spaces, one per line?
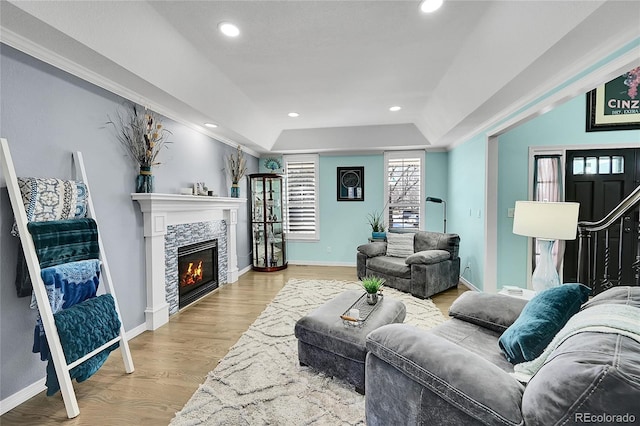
{"x":430,"y":267}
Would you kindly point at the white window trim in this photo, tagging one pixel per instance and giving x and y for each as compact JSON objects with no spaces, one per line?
{"x":389,"y":155}
{"x":315,"y":158}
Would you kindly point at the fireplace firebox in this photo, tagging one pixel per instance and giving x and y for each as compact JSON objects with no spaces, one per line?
{"x":197,"y":271}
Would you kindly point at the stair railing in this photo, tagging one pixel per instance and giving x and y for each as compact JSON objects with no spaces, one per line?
{"x":588,"y":233}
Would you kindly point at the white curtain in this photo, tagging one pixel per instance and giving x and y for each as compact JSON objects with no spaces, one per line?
{"x":548,"y":187}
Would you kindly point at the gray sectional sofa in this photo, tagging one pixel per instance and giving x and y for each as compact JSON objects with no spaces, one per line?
{"x":455,"y":374}
{"x":432,"y":266}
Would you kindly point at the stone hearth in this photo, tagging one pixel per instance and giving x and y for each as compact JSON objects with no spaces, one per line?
{"x":172,"y":220}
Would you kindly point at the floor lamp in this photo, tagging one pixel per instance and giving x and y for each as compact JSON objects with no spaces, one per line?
{"x":546,"y":222}
{"x":444,"y":203}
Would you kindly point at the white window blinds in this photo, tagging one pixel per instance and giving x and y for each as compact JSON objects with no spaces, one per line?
{"x":301,"y":196}
{"x":404,"y":181}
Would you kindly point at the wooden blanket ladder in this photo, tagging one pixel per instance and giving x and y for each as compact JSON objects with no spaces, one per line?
{"x":62,"y":368}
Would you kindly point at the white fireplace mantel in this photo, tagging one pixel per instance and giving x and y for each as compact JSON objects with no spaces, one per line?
{"x":162,"y":210}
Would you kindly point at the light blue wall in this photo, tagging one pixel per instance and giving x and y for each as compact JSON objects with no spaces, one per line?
{"x":343,"y":224}
{"x":436,"y":185}
{"x":466,"y":207}
{"x":47,"y":114}
{"x":564,"y":125}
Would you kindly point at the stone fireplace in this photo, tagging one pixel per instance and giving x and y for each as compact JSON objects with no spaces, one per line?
{"x":183,"y":237}
{"x":175,"y":222}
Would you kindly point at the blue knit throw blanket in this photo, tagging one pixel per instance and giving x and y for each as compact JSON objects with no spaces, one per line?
{"x":83,"y":328}
{"x":67,"y":285}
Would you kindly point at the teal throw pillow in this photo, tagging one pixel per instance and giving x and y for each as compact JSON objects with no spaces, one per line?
{"x":540,"y":321}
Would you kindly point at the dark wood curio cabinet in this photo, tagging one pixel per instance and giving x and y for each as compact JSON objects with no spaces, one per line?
{"x":267,"y":222}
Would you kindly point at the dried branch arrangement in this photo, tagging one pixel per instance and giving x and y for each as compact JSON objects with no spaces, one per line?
{"x":141,"y":134}
{"x":237,"y":165}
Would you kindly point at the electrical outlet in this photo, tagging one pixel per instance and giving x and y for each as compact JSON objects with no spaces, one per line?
{"x":328,"y":249}
{"x":466,"y":268}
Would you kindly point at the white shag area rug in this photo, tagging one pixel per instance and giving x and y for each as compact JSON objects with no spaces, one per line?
{"x":260,"y":382}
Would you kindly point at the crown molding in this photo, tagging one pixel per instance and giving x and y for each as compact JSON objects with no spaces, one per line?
{"x":56,"y":60}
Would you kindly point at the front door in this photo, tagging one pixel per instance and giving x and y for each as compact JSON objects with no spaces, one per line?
{"x":599,"y":180}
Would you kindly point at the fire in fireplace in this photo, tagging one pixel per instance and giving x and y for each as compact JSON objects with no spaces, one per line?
{"x":197,"y":271}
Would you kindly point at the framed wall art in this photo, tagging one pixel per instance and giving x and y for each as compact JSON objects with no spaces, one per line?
{"x":615,"y":105}
{"x":350,"y":183}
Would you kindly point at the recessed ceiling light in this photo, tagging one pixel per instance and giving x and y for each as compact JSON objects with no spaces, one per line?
{"x":395,"y":108}
{"x":293,"y":114}
{"x":228,"y":29}
{"x":428,"y":6}
{"x":211,"y":125}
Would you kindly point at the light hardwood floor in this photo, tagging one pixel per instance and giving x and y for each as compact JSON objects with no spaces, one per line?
{"x":172,"y":361}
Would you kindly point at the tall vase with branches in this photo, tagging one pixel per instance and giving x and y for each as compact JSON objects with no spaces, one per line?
{"x":143,"y":136}
{"x":237,"y":169}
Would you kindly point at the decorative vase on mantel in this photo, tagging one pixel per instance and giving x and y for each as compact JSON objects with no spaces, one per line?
{"x":235,"y":190}
{"x":144,"y":180}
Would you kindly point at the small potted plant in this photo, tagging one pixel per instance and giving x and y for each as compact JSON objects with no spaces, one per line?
{"x":372,"y":286}
{"x":377,"y":225}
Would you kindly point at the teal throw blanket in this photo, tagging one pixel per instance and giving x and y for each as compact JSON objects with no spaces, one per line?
{"x":56,"y":242}
{"x":63,"y":241}
{"x":83,"y":328}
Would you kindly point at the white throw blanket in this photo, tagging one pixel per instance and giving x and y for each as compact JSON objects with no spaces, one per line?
{"x":606,"y":318}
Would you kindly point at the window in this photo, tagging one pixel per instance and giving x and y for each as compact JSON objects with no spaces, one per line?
{"x":405,"y":189}
{"x":301,"y":197}
{"x":547,"y":178}
{"x":603,"y":165}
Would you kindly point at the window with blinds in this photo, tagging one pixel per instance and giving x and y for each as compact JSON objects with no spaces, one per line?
{"x":547,"y":178}
{"x":301,"y":196}
{"x":405,"y":189}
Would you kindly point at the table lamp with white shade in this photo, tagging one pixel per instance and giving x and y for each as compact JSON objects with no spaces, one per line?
{"x":546,"y":222}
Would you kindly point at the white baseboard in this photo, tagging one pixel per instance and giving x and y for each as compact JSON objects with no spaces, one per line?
{"x":469,"y":285}
{"x":136,"y":331}
{"x":244,"y":270}
{"x":320,"y":263}
{"x":21,"y":396}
